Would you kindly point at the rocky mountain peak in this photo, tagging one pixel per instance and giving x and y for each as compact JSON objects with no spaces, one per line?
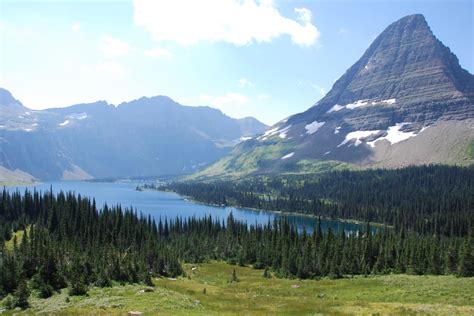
{"x":406,"y":74}
{"x":6,"y":99}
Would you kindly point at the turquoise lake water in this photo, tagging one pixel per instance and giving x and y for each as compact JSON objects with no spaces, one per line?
{"x":170,"y":205}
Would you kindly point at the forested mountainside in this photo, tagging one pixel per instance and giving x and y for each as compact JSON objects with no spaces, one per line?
{"x":428,"y":199}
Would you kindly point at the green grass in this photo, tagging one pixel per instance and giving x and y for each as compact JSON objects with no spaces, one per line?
{"x":470,"y":149}
{"x":313,"y":166}
{"x":19,"y":237}
{"x":244,"y":161}
{"x":253,"y":294}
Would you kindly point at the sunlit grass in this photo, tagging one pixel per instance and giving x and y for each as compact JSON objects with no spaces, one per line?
{"x":254,"y":294}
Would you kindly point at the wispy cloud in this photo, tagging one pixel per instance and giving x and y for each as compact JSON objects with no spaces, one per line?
{"x":237,"y":22}
{"x":159,"y":52}
{"x":243,"y":82}
{"x":315,"y":86}
{"x":226,"y":101}
{"x":113,"y":47}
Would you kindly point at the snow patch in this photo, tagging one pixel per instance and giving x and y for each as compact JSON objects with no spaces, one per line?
{"x":336,"y":108}
{"x":243,"y":138}
{"x":274,"y":131}
{"x":288,"y":156}
{"x":389,"y":101}
{"x":313,"y":127}
{"x":356,"y":104}
{"x":357,"y":135}
{"x":270,"y":131}
{"x":359,"y":103}
{"x":394,"y":135}
{"x":336,"y":130}
{"x":66,"y":122}
{"x":327,"y":153}
{"x":78,"y":116}
{"x":423,"y":129}
{"x":284,"y":131}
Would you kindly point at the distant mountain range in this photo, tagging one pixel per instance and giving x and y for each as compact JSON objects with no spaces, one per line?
{"x":406,"y":101}
{"x":145,"y":137}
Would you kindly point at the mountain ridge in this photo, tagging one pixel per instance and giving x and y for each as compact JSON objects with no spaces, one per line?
{"x":146,"y":136}
{"x":407,"y":85}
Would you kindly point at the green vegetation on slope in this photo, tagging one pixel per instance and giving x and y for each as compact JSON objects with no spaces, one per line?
{"x":245,"y":159}
{"x":434,"y":199}
{"x":254,"y":294}
{"x":17,"y":237}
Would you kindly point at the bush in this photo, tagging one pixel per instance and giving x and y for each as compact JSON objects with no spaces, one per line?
{"x":77,"y":288}
{"x":45,"y":291}
{"x":9,"y":302}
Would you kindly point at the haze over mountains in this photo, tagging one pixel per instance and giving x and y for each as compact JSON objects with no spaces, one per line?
{"x":144,"y":137}
{"x":406,"y":101}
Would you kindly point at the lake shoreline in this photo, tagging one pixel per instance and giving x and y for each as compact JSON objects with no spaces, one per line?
{"x":325,"y":218}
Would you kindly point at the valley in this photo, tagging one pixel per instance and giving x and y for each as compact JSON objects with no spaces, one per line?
{"x":360,"y":204}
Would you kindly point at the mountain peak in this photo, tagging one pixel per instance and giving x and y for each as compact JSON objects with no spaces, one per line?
{"x":405,"y":101}
{"x":6,"y":99}
{"x":412,"y":18}
{"x":406,"y":71}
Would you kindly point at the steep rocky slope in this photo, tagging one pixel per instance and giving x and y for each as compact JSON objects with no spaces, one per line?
{"x":405,"y":101}
{"x":145,"y":137}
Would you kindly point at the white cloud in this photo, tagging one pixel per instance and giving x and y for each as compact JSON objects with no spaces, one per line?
{"x":159,"y":52}
{"x":320,"y":89}
{"x":244,"y":83}
{"x":113,"y":47}
{"x":237,"y":22}
{"x":263,"y":97}
{"x":76,"y":27}
{"x":106,"y":67}
{"x":317,"y":87}
{"x":227,"y":101}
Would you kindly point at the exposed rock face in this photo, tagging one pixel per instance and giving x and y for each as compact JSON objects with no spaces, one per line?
{"x":406,"y":81}
{"x":144,"y":137}
{"x":406,"y":75}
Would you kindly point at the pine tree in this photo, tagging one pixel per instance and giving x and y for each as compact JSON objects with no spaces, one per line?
{"x":21,"y":294}
{"x":466,"y":260}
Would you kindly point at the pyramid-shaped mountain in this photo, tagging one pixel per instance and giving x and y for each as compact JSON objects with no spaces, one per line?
{"x":406,"y":71}
{"x":406,"y":101}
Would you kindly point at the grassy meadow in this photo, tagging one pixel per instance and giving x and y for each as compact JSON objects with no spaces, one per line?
{"x":208,"y":291}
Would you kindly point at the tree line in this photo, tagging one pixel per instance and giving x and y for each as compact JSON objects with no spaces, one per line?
{"x":427,"y":199}
{"x":69,"y":243}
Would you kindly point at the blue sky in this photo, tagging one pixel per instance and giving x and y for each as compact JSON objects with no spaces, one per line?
{"x":263,"y":59}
